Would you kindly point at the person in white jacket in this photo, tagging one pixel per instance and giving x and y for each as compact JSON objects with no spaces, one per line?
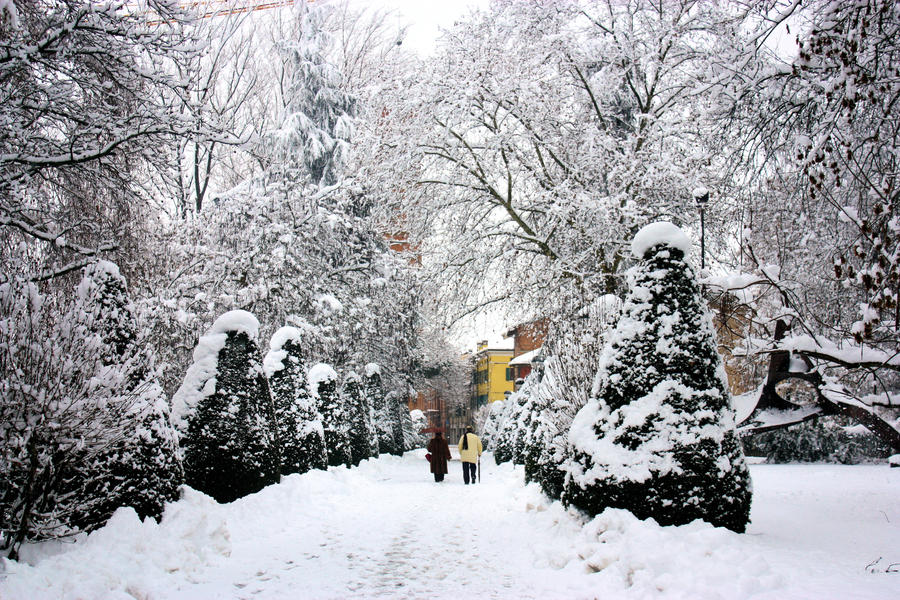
{"x":469,"y":452}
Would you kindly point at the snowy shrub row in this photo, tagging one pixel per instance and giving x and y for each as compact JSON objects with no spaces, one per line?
{"x":86,"y":428}
{"x":246,"y":420}
{"x":657,"y":436}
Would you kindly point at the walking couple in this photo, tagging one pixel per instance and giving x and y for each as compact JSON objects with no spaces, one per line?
{"x":469,"y":452}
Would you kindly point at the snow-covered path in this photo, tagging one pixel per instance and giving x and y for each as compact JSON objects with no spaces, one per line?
{"x":386,"y":530}
{"x":407,"y":537}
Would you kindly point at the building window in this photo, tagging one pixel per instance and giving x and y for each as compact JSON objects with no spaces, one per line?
{"x":510,"y":375}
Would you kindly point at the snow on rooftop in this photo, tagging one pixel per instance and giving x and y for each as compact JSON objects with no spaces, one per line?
{"x":661,"y":232}
{"x":525,"y":359}
{"x":498,"y":344}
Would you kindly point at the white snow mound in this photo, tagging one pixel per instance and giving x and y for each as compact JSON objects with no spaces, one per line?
{"x":237,"y":321}
{"x":321,"y":372}
{"x":661,"y":232}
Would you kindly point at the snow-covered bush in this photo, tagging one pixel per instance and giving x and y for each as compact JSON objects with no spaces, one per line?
{"x":411,"y":437}
{"x":225,"y":415}
{"x":551,"y":435}
{"x":507,"y":432}
{"x":658,"y":438}
{"x":299,"y":425}
{"x":359,"y":413}
{"x":395,"y":406}
{"x":383,"y":417}
{"x":492,"y":424}
{"x":827,"y":439}
{"x":83,"y":426}
{"x":140,"y":468}
{"x":522,"y":427}
{"x":419,"y":422}
{"x":335,"y":419}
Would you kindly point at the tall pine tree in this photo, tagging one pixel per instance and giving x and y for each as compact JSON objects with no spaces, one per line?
{"x":658,"y":439}
{"x":299,"y":424}
{"x":226,"y":415}
{"x":318,"y":114}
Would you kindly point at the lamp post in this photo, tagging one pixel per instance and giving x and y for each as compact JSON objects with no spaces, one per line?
{"x":537,"y":363}
{"x":701,"y":197}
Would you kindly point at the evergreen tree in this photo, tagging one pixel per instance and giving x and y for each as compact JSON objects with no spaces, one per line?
{"x":535,"y":439}
{"x":492,"y":424}
{"x":335,"y":417}
{"x":318,"y":120}
{"x":419,"y":422}
{"x":139,"y":466}
{"x":299,"y":424}
{"x":411,"y":437}
{"x":523,"y":422}
{"x":226,"y":415}
{"x":395,"y":405}
{"x":383,"y":438}
{"x":505,"y":445}
{"x":658,"y":439}
{"x":362,"y":429}
{"x":546,"y":453}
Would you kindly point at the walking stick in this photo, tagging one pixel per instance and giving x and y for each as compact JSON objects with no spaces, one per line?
{"x":479,"y":469}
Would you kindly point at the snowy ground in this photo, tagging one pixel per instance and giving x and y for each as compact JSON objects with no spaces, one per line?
{"x":385,"y":530}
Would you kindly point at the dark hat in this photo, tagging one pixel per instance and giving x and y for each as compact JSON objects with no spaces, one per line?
{"x":469,"y":428}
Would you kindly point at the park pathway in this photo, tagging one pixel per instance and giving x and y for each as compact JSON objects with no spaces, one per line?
{"x":389,"y":532}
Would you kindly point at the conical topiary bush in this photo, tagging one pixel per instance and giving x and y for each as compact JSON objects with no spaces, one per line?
{"x":224,"y":410}
{"x":658,"y":438}
{"x":362,"y":429}
{"x":335,"y":418}
{"x":299,"y":425}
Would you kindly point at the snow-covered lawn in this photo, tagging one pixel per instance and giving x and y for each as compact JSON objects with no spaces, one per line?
{"x":386,"y":530}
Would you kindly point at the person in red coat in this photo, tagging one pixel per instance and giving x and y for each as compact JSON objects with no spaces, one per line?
{"x":440,"y":454}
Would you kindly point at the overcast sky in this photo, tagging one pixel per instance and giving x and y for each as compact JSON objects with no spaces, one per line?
{"x":424,"y":17}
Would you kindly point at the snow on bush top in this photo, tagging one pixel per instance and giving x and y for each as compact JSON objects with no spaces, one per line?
{"x":373,"y":369}
{"x":321,"y":372}
{"x":274,"y":359}
{"x":237,"y":321}
{"x":352,"y":376}
{"x":94,"y":272}
{"x":283,"y":336}
{"x":200,"y":379}
{"x":661,"y":232}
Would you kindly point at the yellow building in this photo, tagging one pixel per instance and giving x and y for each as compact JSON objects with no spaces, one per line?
{"x":493,"y":377}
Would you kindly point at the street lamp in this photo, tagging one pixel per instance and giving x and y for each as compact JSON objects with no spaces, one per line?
{"x":537,"y":363}
{"x":701,"y":197}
